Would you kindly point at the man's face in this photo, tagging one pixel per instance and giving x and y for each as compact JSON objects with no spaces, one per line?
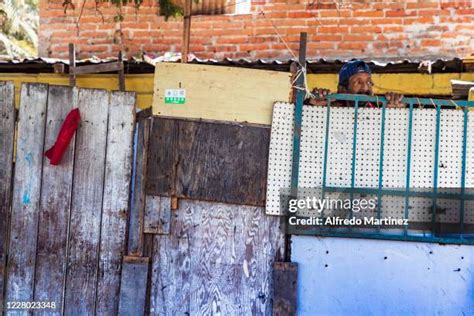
{"x":360,"y":83}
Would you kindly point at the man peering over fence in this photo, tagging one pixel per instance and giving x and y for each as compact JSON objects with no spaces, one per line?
{"x":354,"y":78}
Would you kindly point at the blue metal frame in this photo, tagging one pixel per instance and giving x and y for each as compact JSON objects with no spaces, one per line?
{"x":380,"y":191}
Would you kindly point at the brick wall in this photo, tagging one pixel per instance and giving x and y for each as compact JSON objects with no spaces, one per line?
{"x":336,"y":29}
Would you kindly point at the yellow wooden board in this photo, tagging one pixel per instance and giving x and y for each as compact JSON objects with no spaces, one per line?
{"x":142,"y":84}
{"x":220,"y":93}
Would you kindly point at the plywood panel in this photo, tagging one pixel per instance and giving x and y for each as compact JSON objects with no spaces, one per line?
{"x":118,"y":171}
{"x":7,"y":130}
{"x":219,"y":162}
{"x":162,"y":157}
{"x":26,"y":195}
{"x":222,"y":162}
{"x":217,"y":258}
{"x":91,"y":139}
{"x":220,"y":93}
{"x":55,"y":203}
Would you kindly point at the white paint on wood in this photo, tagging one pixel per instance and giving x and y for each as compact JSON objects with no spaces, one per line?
{"x":7,"y":131}
{"x":55,"y":203}
{"x":118,"y":171}
{"x":157,"y":215}
{"x":86,"y":208}
{"x":199,"y":268}
{"x":26,"y":194}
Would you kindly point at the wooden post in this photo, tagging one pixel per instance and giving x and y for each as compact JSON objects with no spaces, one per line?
{"x":285,"y":276}
{"x":186,"y":30}
{"x":72,"y":64}
{"x":121,"y":75}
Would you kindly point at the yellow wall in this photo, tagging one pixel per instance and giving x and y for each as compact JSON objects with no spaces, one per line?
{"x":417,"y":84}
{"x":413,"y":84}
{"x":142,"y":84}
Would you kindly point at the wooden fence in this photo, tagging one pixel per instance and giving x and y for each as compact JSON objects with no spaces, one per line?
{"x":98,"y":235}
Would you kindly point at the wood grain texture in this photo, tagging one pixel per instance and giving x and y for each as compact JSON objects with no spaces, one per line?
{"x":222,"y":162}
{"x":162,"y":157}
{"x":7,"y":131}
{"x":217,"y":259}
{"x":220,"y":93}
{"x":208,"y":161}
{"x":26,"y":195}
{"x":157,"y":215}
{"x":55,"y":203}
{"x":133,"y":287}
{"x":137,"y":198}
{"x":118,"y":171}
{"x":285,"y":276}
{"x":86,"y":206}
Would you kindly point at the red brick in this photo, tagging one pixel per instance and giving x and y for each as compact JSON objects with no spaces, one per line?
{"x":300,"y":14}
{"x":319,"y":45}
{"x":335,"y":13}
{"x":357,"y":38}
{"x":385,"y":21}
{"x":333,"y":29}
{"x":367,"y":13}
{"x":328,"y":38}
{"x":366,"y":29}
{"x":232,"y":40}
{"x":400,"y":13}
{"x":423,"y":5}
{"x":352,"y":46}
{"x":432,"y":12}
{"x":430,"y":42}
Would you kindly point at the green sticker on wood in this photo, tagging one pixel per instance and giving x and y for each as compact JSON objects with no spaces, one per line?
{"x":175,"y":96}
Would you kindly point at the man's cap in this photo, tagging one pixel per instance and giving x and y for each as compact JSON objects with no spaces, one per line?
{"x":351,"y":68}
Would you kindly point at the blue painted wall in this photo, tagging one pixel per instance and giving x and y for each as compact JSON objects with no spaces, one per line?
{"x":339,"y":276}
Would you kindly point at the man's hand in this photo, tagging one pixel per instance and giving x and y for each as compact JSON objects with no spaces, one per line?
{"x":394,"y":100}
{"x":319,"y":97}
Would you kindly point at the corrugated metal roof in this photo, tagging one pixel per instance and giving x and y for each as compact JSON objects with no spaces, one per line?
{"x":146,"y":65}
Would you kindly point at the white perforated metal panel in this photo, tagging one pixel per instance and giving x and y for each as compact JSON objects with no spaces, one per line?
{"x":339,"y":165}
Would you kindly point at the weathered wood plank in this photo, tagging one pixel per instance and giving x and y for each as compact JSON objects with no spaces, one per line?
{"x":86,"y":206}
{"x":55,"y":203}
{"x":262,"y":244}
{"x":148,"y":253}
{"x":222,"y":162}
{"x":208,"y":161}
{"x":171,"y":270}
{"x":162,"y":157}
{"x":218,"y":258}
{"x":7,"y":131}
{"x":92,"y":69}
{"x":285,"y":275}
{"x":137,"y":199}
{"x":133,"y":287}
{"x":118,"y":171}
{"x":216,"y":278}
{"x":157,"y":215}
{"x":26,"y":194}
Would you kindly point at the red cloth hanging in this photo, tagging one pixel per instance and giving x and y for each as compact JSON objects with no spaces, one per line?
{"x":69,"y":127}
